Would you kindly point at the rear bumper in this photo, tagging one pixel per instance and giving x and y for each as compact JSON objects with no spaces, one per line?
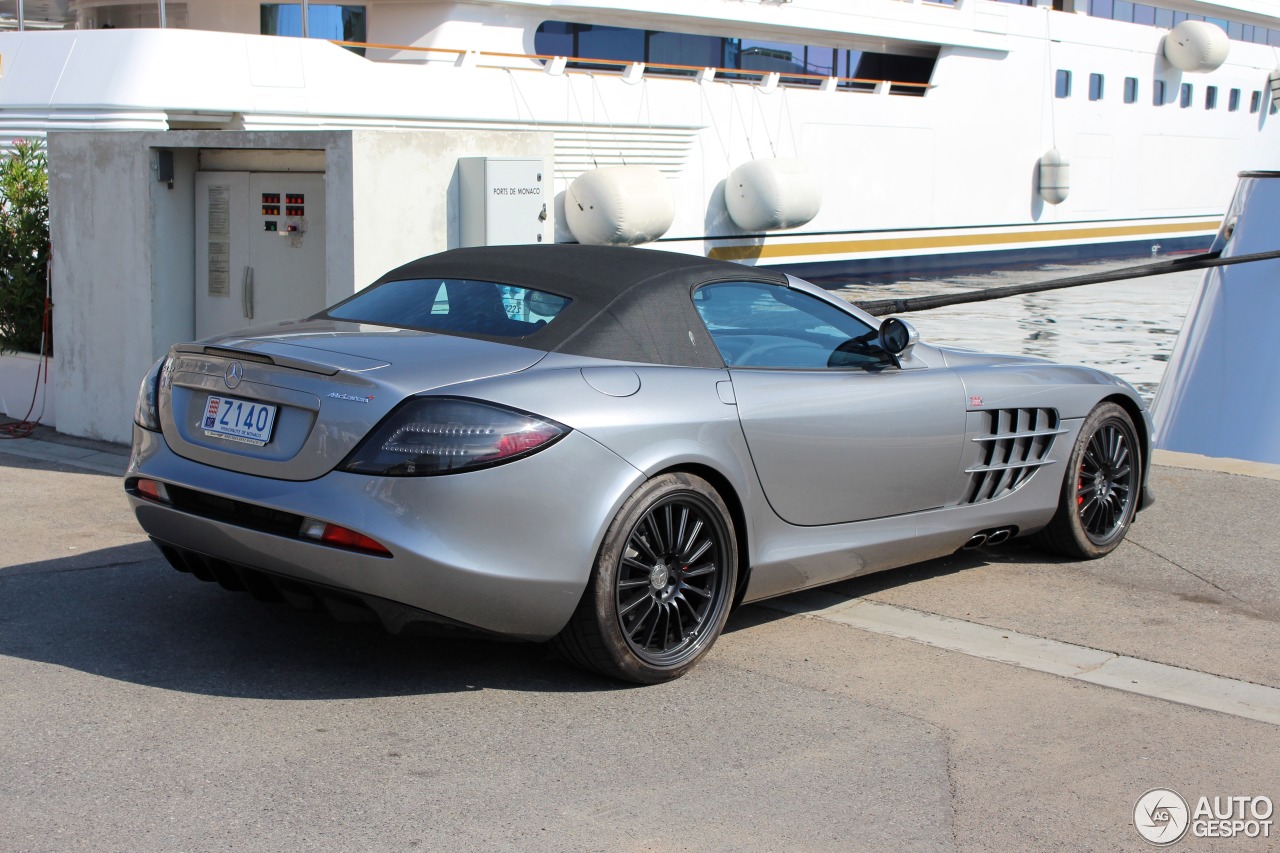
{"x":508,"y":550}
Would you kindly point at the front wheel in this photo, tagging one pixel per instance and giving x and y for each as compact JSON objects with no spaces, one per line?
{"x":1100,"y":490}
{"x":661,"y":587}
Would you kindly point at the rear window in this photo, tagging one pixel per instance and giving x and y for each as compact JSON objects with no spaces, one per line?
{"x":463,"y":306}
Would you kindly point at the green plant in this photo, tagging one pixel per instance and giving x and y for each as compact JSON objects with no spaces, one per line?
{"x":24,"y":246}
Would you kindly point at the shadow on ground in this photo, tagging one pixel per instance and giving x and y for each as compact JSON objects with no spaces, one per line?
{"x":123,"y":613}
{"x":1012,"y":553}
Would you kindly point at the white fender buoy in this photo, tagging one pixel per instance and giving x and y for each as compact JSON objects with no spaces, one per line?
{"x":1196,"y":46}
{"x":1273,"y":84}
{"x":1054,"y":177}
{"x":763,"y":195}
{"x":619,"y":206}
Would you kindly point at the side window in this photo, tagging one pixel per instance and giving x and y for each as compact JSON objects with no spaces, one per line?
{"x":767,"y":325}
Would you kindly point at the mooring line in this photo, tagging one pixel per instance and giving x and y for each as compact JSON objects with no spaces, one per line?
{"x":880,"y":307}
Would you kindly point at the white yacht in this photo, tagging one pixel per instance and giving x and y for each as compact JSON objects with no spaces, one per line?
{"x":833,"y":138}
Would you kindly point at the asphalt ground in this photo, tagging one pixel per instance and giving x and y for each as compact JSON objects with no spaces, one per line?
{"x":143,"y":710}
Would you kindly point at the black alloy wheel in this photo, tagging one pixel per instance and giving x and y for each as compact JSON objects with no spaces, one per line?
{"x":1101,"y":488}
{"x":671,"y":578}
{"x":662,"y":586}
{"x":1107,"y":482}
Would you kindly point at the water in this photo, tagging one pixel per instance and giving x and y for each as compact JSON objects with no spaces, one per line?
{"x":1124,"y":327}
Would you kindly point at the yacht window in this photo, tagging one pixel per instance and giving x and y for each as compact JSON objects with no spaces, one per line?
{"x":1185,"y":100}
{"x":1147,"y":14}
{"x":1095,"y":87}
{"x":324,"y":21}
{"x":898,"y":68}
{"x":755,"y":55}
{"x":1131,"y":90}
{"x":611,"y":43}
{"x":556,"y":38}
{"x":1062,"y":85}
{"x":1233,"y":100}
{"x":681,"y":49}
{"x":128,"y":16}
{"x":794,"y":61}
{"x":1157,"y":93}
{"x":1211,"y":98}
{"x":1255,"y":102}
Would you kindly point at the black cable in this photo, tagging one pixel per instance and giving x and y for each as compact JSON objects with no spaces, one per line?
{"x":880,"y":307}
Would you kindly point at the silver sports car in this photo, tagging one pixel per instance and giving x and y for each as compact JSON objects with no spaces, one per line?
{"x":609,"y":448}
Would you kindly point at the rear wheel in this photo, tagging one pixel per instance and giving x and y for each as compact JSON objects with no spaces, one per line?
{"x":1100,"y":491}
{"x":661,"y":587}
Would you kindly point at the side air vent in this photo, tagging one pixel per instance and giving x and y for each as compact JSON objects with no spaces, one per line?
{"x":1011,"y":446}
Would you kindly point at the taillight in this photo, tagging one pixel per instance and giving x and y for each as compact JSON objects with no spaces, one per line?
{"x":444,"y":435}
{"x":146,"y":412}
{"x":152,"y":490}
{"x":341,"y":537}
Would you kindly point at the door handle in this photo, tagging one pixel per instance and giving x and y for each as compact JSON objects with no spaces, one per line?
{"x":247,"y":292}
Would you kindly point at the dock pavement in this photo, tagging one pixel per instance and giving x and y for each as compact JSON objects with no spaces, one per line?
{"x":998,"y":699}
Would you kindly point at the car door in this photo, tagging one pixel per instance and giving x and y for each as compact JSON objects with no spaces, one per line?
{"x":838,"y":431}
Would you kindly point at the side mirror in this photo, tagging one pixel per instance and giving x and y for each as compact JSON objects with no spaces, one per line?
{"x":897,"y":336}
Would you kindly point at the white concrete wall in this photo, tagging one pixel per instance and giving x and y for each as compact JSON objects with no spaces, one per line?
{"x":124,"y":242}
{"x":100,"y":229}
{"x":419,"y":172}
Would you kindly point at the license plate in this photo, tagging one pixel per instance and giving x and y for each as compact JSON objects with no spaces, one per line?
{"x":238,"y":420}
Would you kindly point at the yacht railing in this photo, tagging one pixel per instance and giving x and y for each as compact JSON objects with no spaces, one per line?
{"x":635,"y":70}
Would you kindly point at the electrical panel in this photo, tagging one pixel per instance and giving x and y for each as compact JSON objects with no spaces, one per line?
{"x":503,"y":201}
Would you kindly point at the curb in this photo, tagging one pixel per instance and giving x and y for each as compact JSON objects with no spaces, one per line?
{"x":1223,"y":465}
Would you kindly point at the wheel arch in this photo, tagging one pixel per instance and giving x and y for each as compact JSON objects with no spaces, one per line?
{"x":724,"y":487}
{"x":1142,"y":428}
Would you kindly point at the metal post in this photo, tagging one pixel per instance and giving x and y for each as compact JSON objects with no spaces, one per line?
{"x":306,"y":32}
{"x":22,"y":25}
{"x":162,"y":24}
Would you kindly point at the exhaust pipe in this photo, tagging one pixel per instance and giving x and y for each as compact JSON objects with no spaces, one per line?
{"x":1000,"y":535}
{"x":975,"y":541}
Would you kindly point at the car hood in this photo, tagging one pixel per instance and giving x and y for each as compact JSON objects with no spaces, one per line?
{"x":330,"y":383}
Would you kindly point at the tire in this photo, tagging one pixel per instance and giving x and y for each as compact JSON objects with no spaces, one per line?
{"x":661,"y":587}
{"x":1101,"y":488}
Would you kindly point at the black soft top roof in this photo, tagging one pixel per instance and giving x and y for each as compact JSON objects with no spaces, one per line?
{"x":628,"y":304}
